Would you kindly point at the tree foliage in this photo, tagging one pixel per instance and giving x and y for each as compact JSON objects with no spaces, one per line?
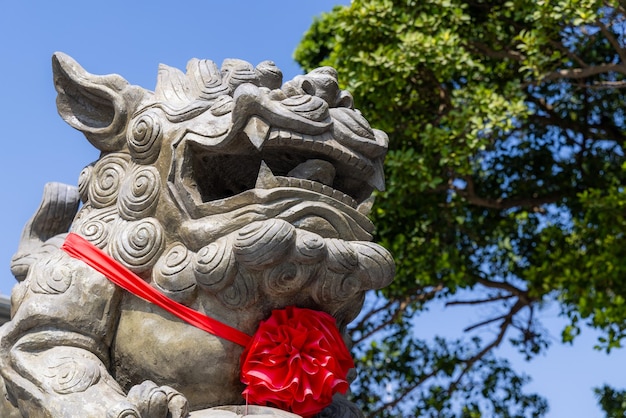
{"x":612,"y":402}
{"x":504,"y":184}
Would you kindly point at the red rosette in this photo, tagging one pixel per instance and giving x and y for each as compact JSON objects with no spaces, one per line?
{"x":296,"y":361}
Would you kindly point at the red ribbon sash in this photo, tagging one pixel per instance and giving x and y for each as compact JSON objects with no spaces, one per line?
{"x":81,"y":249}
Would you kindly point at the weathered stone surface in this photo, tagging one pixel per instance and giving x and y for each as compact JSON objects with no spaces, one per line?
{"x":228,"y":193}
{"x":236,"y":411}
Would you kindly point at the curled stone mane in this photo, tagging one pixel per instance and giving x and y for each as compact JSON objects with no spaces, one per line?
{"x":265,"y":261}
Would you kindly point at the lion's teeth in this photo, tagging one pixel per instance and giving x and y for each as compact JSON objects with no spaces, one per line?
{"x":257,"y":130}
{"x":377,"y":178}
{"x":316,"y":170}
{"x":366,"y":206}
{"x":265,"y":178}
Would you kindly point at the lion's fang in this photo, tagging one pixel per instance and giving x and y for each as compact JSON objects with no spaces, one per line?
{"x":266,"y":179}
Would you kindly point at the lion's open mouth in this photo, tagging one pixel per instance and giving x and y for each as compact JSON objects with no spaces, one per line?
{"x":317,"y":164}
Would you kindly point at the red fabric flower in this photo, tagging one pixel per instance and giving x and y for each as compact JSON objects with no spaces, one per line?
{"x":296,"y":361}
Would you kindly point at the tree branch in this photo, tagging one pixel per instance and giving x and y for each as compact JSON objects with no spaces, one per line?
{"x":402,"y":394}
{"x":619,"y":8}
{"x":535,"y":203}
{"x":467,"y":364}
{"x":483,"y":323}
{"x":563,"y":50}
{"x":605,"y":85}
{"x":479,"y":301}
{"x":493,"y":284}
{"x":373,"y":312}
{"x":596,"y":132}
{"x":403,"y":305}
{"x":484,"y":49}
{"x":507,"y":320}
{"x":614,"y":42}
{"x":578,"y":73}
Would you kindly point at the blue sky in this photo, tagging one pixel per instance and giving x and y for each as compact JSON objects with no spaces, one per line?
{"x":131,"y":38}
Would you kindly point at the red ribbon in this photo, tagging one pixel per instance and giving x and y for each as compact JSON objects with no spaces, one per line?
{"x":81,"y":249}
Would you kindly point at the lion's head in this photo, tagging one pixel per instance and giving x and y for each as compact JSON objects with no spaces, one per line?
{"x":224,"y":183}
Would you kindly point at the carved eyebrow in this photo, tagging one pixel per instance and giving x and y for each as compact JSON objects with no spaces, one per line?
{"x":174,"y":115}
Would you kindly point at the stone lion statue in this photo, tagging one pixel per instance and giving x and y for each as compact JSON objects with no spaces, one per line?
{"x":227,"y":191}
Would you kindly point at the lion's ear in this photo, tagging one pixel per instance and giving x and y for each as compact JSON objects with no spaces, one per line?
{"x":98,"y":106}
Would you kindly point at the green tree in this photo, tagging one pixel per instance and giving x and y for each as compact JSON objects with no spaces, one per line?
{"x":504,"y":185}
{"x":612,"y":402}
